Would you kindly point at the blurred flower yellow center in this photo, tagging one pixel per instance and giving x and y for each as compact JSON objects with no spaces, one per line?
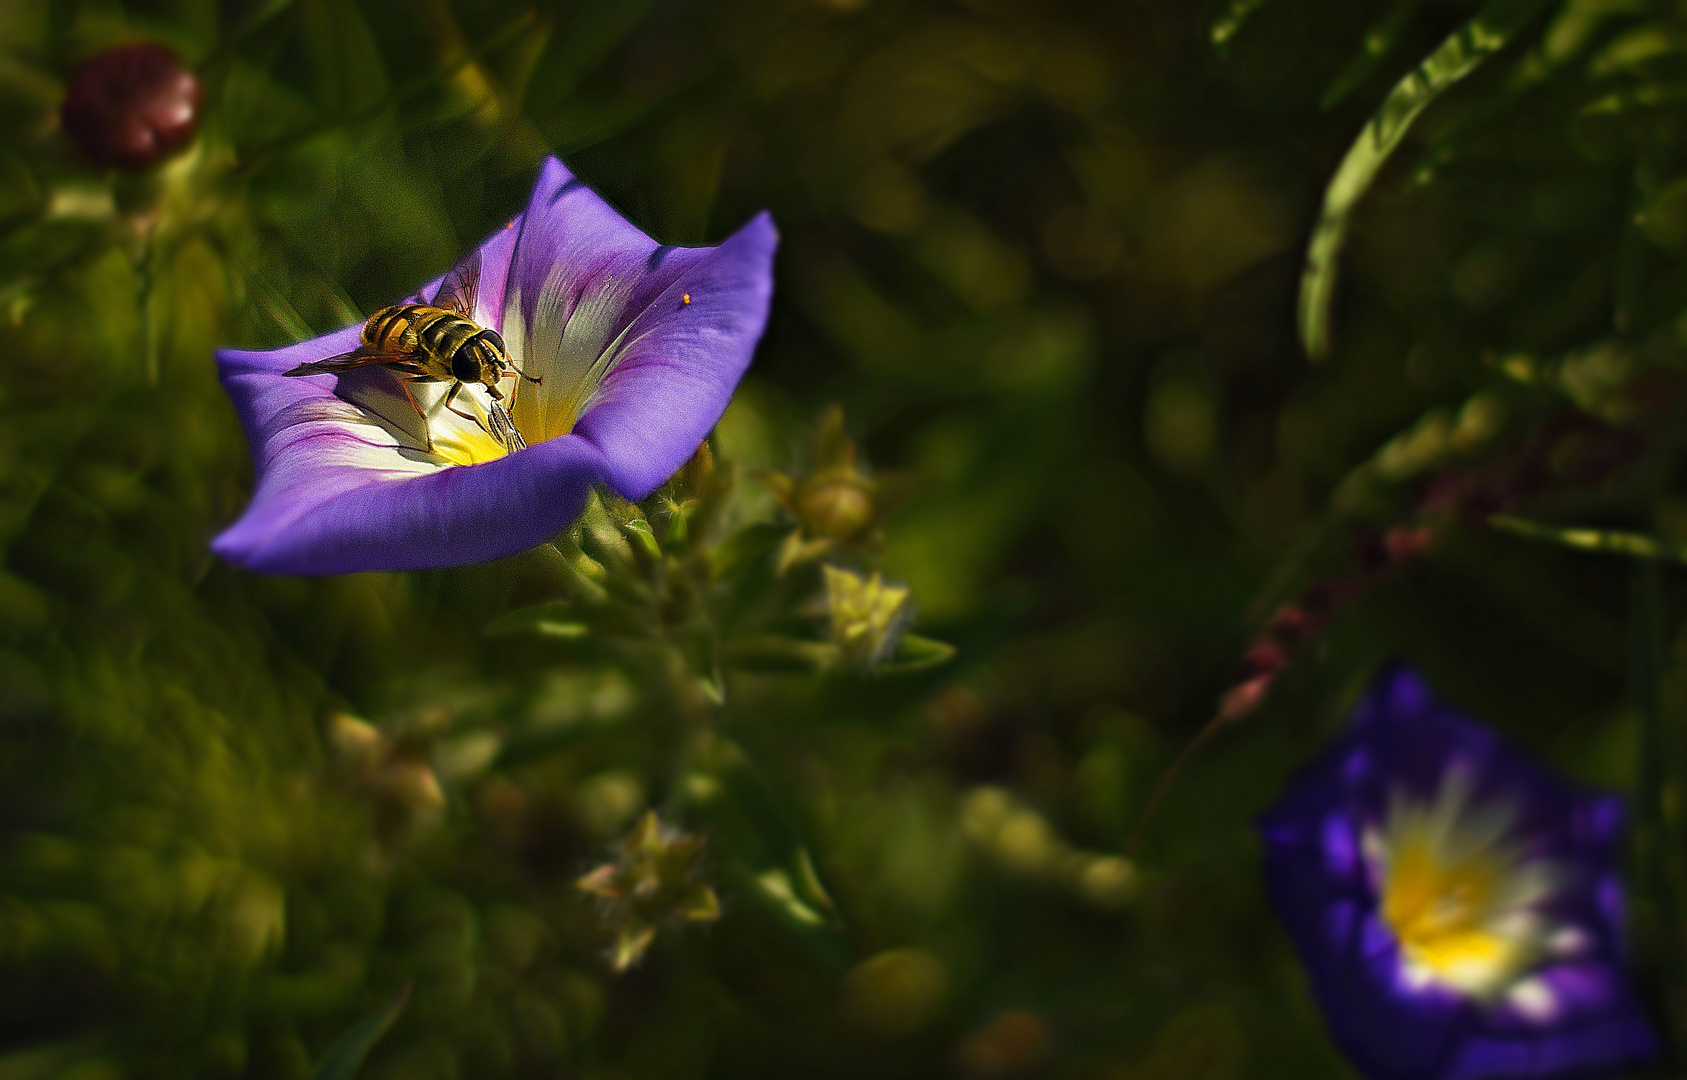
{"x":1458,"y":893}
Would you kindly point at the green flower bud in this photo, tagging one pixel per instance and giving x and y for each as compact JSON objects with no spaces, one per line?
{"x":654,"y":880}
{"x":867,"y":614}
{"x":836,"y":503}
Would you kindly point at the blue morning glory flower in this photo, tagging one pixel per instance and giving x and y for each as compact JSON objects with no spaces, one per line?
{"x":631,"y":351}
{"x":1456,"y":906}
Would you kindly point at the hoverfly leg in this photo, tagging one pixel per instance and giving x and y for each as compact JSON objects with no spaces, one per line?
{"x":427,"y":429}
{"x":452,"y":396}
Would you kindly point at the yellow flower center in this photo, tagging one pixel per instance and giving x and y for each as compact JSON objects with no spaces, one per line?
{"x":435,"y":436}
{"x":460,"y":441}
{"x":1458,"y":893}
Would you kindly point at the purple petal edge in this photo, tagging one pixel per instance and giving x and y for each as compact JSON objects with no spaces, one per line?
{"x":686,"y":359}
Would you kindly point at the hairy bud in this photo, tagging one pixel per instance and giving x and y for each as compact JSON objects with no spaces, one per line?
{"x":655,"y":879}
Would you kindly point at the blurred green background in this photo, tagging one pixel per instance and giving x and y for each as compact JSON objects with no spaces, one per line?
{"x":1047,"y":257}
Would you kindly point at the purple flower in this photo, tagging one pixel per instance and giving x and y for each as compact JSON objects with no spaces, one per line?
{"x":1455,"y":905}
{"x":635,"y":349}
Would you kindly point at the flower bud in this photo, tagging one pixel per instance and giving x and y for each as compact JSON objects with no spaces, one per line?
{"x":655,"y":879}
{"x":130,"y":105}
{"x":837,"y":504}
{"x":868,"y":615}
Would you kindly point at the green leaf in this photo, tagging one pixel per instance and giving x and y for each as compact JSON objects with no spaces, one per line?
{"x":763,"y":853}
{"x":1379,"y":40}
{"x":346,"y":1056}
{"x":557,"y":620}
{"x":1574,"y":28}
{"x":1455,"y":58}
{"x":732,"y":557}
{"x":1603,"y":541}
{"x":1231,"y":23}
{"x":776,"y":653}
{"x":1647,"y":96}
{"x":796,"y":893}
{"x":916,"y":653}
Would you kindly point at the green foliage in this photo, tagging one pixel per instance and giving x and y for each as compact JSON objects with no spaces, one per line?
{"x":1046,"y":259}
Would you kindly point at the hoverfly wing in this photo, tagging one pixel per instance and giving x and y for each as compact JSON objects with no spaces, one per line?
{"x":503,"y":428}
{"x":363,"y":356}
{"x":461,"y":288}
{"x":358,"y":358}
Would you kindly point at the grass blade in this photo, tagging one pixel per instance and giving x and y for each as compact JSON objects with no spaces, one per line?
{"x":1451,"y":61}
{"x":1601,"y":541}
{"x":1379,"y":41}
{"x":346,"y":1056}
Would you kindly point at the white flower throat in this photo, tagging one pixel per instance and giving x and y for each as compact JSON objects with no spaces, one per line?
{"x":1463,"y":897}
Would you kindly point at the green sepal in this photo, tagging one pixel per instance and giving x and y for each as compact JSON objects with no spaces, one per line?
{"x":643,"y":539}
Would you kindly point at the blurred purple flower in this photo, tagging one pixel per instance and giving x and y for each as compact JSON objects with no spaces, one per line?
{"x":1455,"y":905}
{"x":638,"y":348}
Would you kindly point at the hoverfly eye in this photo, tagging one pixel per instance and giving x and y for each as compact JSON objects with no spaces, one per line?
{"x":497,"y":342}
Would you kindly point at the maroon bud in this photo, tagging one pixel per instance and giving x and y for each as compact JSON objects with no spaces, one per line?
{"x":1242,"y":700}
{"x":1264,"y":658}
{"x":1289,"y":625}
{"x":1372,"y":552}
{"x":130,"y":105}
{"x":1323,"y":597}
{"x":1407,"y":543}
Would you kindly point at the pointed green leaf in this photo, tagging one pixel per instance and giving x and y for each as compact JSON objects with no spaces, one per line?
{"x":1379,"y":40}
{"x":776,"y":888}
{"x":1455,"y":58}
{"x":916,"y":653}
{"x":346,"y":1056}
{"x":1604,"y":541}
{"x":558,"y":620}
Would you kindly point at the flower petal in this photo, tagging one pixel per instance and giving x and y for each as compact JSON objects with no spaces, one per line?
{"x":350,"y":475}
{"x":682,"y":359}
{"x":338,"y":494}
{"x":639,"y":345}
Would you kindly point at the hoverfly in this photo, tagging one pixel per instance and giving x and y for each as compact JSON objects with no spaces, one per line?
{"x":437,"y":343}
